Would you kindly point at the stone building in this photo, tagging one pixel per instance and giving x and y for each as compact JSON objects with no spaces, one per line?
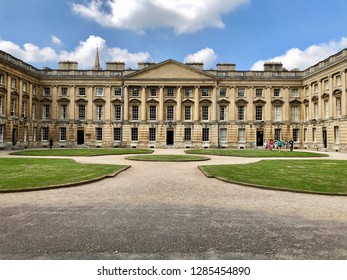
{"x":170,"y":104}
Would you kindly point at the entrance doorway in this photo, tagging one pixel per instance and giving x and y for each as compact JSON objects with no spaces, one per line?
{"x":80,"y":137}
{"x":14,"y":136}
{"x":260,"y":138}
{"x":169,"y":137}
{"x":325,"y":138}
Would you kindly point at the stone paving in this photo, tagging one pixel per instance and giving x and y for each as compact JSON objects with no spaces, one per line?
{"x":157,"y":210}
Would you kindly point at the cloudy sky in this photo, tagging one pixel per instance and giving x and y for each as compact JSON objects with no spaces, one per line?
{"x":246,"y":32}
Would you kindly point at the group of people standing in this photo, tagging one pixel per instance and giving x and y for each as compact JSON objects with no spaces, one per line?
{"x":278,"y":144}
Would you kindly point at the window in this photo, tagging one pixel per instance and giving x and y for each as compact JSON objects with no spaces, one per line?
{"x":277,"y":92}
{"x":63,"y":134}
{"x":338,"y":107}
{"x":241,"y":92}
{"x":117,"y":134}
{"x":187,"y":134}
{"x":223,"y":113}
{"x":33,"y":111}
{"x":314,"y":135}
{"x":99,"y":91}
{"x":326,"y":105}
{"x":187,"y":113}
{"x":152,"y":92}
{"x":296,"y":134}
{"x":307,"y":116}
{"x":295,"y":92}
{"x":204,"y":113}
{"x":306,"y":92}
{"x":277,"y":113}
{"x":99,"y":109}
{"x":223,"y":135}
{"x":187,"y":92}
{"x":25,"y":87}
{"x":82,"y":91}
{"x":338,"y":81}
{"x":295,"y":114}
{"x":258,"y":113}
{"x":316,"y":112}
{"x":82,"y":112}
{"x":152,"y":134}
{"x":205,"y":134}
{"x":46,"y":91}
{"x":135,"y":112}
{"x":2,"y":79}
{"x":241,"y":135}
{"x":305,"y":135}
{"x":222,"y":92}
{"x":326,"y":85}
{"x":118,"y":91}
{"x":45,"y":134}
{"x":34,"y":134}
{"x":278,"y":134}
{"x":98,"y":133}
{"x":170,"y":113}
{"x":45,"y":112}
{"x":205,"y":92}
{"x":0,"y":105}
{"x":117,"y":112}
{"x":170,"y":92}
{"x":241,"y":113}
{"x":337,"y":134}
{"x":13,"y":107}
{"x":13,"y":83}
{"x":34,"y":90}
{"x":259,"y":92}
{"x":135,"y":92}
{"x":1,"y":133}
{"x":134,"y":134}
{"x":64,"y":91}
{"x":152,"y":113}
{"x":64,"y":112}
{"x":315,"y":89}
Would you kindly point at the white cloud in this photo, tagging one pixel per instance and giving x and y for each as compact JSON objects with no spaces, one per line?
{"x":84,"y":53}
{"x":184,"y":16}
{"x":302,"y":59}
{"x":56,"y":41}
{"x":206,"y":56}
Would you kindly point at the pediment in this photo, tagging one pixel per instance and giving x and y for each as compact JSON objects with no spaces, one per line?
{"x":171,"y":69}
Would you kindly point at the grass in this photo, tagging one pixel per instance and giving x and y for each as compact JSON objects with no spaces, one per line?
{"x":81,"y":152}
{"x":175,"y":158}
{"x":320,"y":176}
{"x":34,"y":173}
{"x":254,"y":153}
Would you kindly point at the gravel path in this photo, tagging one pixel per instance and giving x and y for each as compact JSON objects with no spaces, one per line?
{"x":171,"y":210}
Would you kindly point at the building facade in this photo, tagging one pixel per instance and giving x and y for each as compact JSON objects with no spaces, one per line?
{"x":170,"y":104}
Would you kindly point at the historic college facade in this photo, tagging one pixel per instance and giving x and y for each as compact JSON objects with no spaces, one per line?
{"x":170,"y":104}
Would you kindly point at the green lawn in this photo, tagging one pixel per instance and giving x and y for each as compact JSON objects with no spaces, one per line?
{"x":253,"y":153}
{"x":176,"y":158}
{"x":81,"y":152}
{"x":34,"y":173}
{"x":321,"y":176}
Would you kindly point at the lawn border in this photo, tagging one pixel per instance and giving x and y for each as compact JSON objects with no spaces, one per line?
{"x":204,"y":158}
{"x":68,"y":185}
{"x":266,"y":187}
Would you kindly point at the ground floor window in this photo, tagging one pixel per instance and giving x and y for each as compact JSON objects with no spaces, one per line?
{"x":223,"y":135}
{"x":25,"y":136}
{"x":98,"y":134}
{"x":241,"y":135}
{"x":305,"y":135}
{"x":278,"y":133}
{"x":337,"y":134}
{"x":134,"y":134}
{"x":45,"y":134}
{"x":296,"y":135}
{"x":205,"y":134}
{"x":117,"y":134}
{"x":2,"y":129}
{"x":34,"y":134}
{"x":152,"y":134}
{"x":314,"y":135}
{"x":187,"y":134}
{"x":63,"y":134}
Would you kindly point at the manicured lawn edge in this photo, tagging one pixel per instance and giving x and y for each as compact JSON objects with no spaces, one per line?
{"x":68,"y":185}
{"x":157,"y":158}
{"x":266,"y":187}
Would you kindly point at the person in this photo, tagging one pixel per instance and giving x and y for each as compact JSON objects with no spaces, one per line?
{"x":51,"y":143}
{"x":279,"y":145}
{"x":266,"y":145}
{"x":291,"y":145}
{"x":271,"y":144}
{"x":286,"y":144}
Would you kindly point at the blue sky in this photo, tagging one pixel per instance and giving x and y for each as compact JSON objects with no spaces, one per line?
{"x":245,"y":32}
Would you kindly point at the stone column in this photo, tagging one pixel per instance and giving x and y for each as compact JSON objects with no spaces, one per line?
{"x":196,"y":104}
{"x":343,"y":96}
{"x":179,"y":105}
{"x":143,"y":104}
{"x":161,"y":104}
{"x":214,"y":108}
{"x":125,"y":104}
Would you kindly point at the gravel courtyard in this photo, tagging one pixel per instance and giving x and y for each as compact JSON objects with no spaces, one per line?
{"x":163,"y":210}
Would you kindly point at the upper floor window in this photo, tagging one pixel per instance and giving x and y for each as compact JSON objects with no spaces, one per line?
{"x":188,"y":92}
{"x":135,"y":112}
{"x":295,"y":92}
{"x":24,"y":109}
{"x":295,"y":114}
{"x":135,"y":92}
{"x":81,"y":112}
{"x":152,"y":113}
{"x":205,"y":92}
{"x":170,"y":92}
{"x":82,"y":91}
{"x":259,"y":92}
{"x":46,"y":91}
{"x":63,"y":91}
{"x":0,"y":105}
{"x":338,"y":107}
{"x":99,"y":91}
{"x":277,"y":92}
{"x":222,"y":92}
{"x":45,"y":112}
{"x":152,"y":92}
{"x":241,"y":113}
{"x":33,"y":111}
{"x":117,"y":112}
{"x":25,"y":87}
{"x":34,"y":90}
{"x":187,"y":113}
{"x":306,"y":92}
{"x":204,"y":113}
{"x":2,"y":79}
{"x":338,"y":81}
{"x":64,"y":112}
{"x":277,"y":113}
{"x":241,"y":92}
{"x":14,"y":83}
{"x":13,"y":107}
{"x":315,"y":89}
{"x":223,"y":113}
{"x":326,"y":84}
{"x":170,"y":113}
{"x":99,"y":111}
{"x":258,"y":113}
{"x":118,"y":91}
